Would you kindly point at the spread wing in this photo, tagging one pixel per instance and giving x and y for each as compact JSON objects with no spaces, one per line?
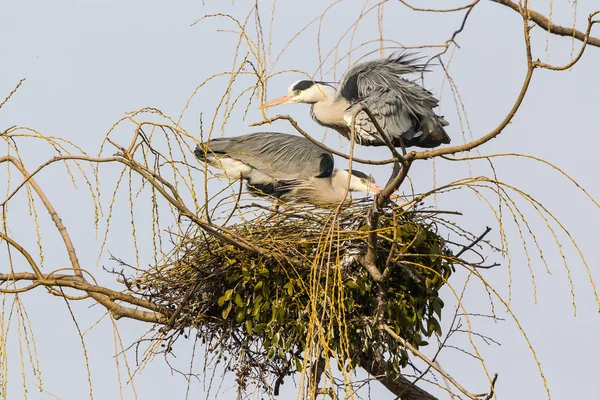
{"x":402,"y":107}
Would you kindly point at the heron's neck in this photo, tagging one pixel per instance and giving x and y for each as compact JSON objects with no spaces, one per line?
{"x":322,"y":191}
{"x":330,"y":111}
{"x":339,"y":182}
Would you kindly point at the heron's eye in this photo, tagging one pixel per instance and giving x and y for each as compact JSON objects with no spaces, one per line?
{"x":363,"y":180}
{"x":297,"y":92}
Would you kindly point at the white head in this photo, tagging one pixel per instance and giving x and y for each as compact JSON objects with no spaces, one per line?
{"x":359,"y":181}
{"x":305,"y":92}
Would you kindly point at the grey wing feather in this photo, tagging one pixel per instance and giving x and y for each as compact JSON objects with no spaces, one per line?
{"x":405,"y":107}
{"x":281,"y":156}
{"x":391,"y":118}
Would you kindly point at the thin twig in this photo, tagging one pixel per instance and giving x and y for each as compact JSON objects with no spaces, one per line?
{"x":474,"y":242}
{"x":427,"y":361}
{"x":492,"y":389}
{"x":12,"y":92}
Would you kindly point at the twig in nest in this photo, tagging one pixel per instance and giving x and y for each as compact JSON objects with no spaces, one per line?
{"x":183,"y":303}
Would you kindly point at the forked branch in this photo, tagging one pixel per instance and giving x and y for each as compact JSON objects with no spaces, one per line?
{"x":399,"y":386}
{"x":544,"y":23}
{"x":417,"y":353}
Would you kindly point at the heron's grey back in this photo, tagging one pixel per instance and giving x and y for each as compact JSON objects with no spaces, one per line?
{"x":279,"y":155}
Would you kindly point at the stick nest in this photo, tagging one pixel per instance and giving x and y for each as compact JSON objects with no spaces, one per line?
{"x":263,"y":315}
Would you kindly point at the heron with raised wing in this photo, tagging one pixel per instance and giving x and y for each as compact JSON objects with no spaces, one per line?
{"x":402,"y":108}
{"x":287,"y":167}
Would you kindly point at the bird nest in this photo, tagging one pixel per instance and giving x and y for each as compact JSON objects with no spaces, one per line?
{"x":264,"y":312}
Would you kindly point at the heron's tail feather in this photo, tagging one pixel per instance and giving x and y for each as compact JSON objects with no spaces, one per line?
{"x":434,"y":133}
{"x":229,"y":167}
{"x":200,"y":153}
{"x":204,"y":154}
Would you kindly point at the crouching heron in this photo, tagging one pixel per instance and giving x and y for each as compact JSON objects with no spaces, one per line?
{"x":403,"y":108}
{"x":286,"y":167}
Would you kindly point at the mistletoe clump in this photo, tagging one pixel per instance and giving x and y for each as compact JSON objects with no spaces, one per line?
{"x":262,"y":313}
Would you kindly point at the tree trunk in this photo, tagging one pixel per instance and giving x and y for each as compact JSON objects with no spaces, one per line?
{"x":400,"y":386}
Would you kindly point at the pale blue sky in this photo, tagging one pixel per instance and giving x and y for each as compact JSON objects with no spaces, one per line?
{"x":87,"y":63}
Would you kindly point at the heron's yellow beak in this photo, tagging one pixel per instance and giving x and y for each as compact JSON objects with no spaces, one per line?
{"x":277,"y":101}
{"x":374,"y":189}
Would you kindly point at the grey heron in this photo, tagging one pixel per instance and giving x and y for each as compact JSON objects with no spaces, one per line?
{"x":403,"y":108}
{"x":285,"y":166}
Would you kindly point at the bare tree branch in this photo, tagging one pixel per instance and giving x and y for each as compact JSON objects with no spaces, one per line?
{"x":416,"y":352}
{"x":423,"y":155}
{"x":101,"y":294}
{"x":547,"y":25}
